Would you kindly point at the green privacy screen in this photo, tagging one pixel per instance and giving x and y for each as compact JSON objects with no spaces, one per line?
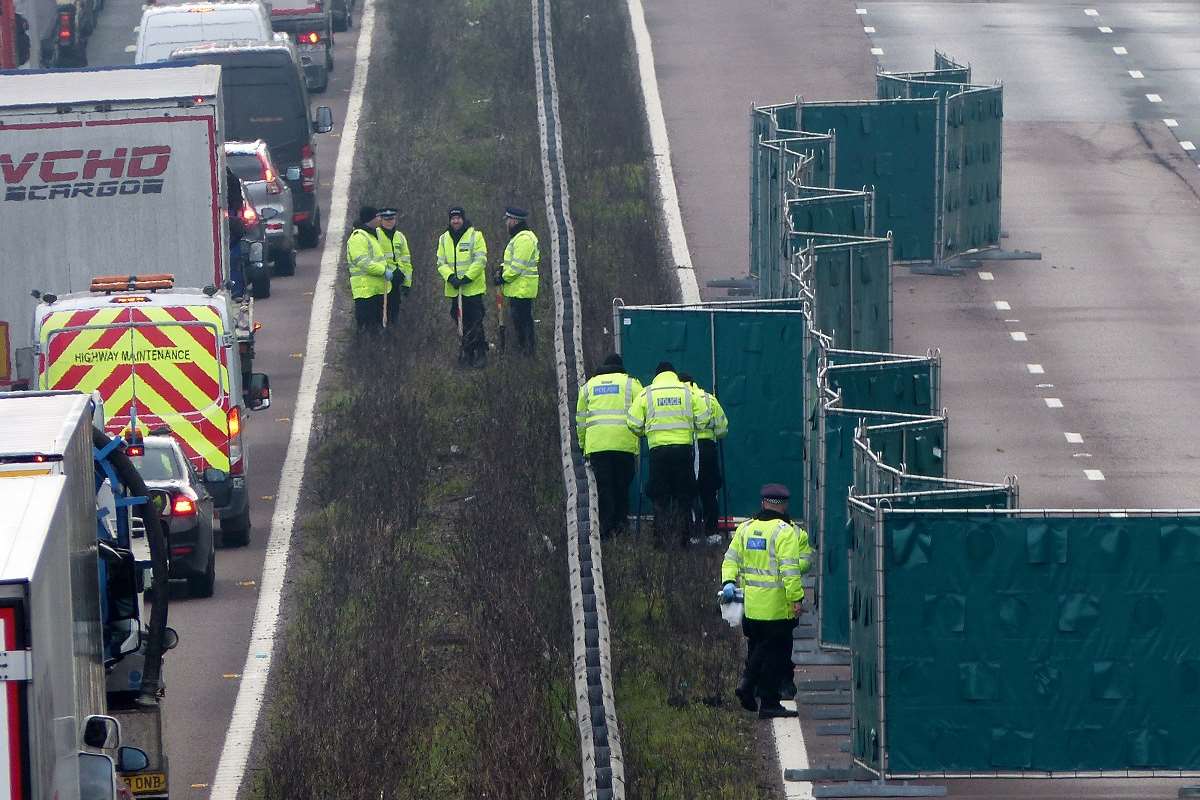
{"x":971,"y":183}
{"x":848,"y":280}
{"x":1024,"y":642}
{"x":752,"y":355}
{"x":892,"y":146}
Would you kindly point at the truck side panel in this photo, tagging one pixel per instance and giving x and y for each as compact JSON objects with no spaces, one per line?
{"x":144,"y":189}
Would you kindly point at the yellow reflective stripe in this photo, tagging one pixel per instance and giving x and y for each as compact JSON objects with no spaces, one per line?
{"x":764,"y":584}
{"x":593,"y":423}
{"x":791,"y":573}
{"x":182,"y":427}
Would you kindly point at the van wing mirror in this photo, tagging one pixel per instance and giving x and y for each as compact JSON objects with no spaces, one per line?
{"x":323,"y":120}
{"x":258,"y":393}
{"x":214,"y":475}
{"x":101,"y":732}
{"x":132,"y":759}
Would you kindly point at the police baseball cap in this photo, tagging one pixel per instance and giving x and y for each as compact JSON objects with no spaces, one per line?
{"x":775,"y":491}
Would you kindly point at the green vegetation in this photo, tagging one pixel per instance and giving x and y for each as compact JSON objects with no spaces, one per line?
{"x":428,"y":650}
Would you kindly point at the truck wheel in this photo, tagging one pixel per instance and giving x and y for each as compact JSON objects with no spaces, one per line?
{"x":202,"y":585}
{"x":285,"y":262}
{"x":236,"y":532}
{"x":262,"y":286}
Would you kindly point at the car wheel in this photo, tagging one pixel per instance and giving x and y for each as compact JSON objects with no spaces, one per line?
{"x":310,"y":232}
{"x":285,"y":262}
{"x":261,"y":287}
{"x":236,"y":532}
{"x":202,"y":585}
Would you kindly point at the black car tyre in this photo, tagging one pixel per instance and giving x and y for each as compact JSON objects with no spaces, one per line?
{"x":285,"y":262}
{"x":236,"y":532}
{"x":310,"y":232}
{"x":202,"y":585}
{"x":261,"y":287}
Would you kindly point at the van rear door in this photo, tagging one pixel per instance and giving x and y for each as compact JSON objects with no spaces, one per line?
{"x":153,"y":365}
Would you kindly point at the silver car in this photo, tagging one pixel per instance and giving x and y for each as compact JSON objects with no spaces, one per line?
{"x":267,"y":189}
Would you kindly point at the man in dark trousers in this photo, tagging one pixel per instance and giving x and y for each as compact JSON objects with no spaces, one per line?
{"x":669,"y":414}
{"x":710,"y":479}
{"x":461,"y":261}
{"x":606,"y":441}
{"x":768,"y":557}
{"x":517,"y":276}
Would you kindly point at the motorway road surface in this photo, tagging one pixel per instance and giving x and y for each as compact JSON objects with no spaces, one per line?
{"x":1095,"y":405}
{"x":214,"y":633}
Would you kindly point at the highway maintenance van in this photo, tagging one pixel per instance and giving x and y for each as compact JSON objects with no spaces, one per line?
{"x":162,"y":360}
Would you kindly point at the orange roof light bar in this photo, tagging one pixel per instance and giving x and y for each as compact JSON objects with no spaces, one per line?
{"x":132,"y":283}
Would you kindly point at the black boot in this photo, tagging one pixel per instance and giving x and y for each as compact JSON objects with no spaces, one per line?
{"x":745,"y":694}
{"x":775,"y":711}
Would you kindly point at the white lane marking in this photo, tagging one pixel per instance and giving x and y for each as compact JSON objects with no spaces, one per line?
{"x":1002,"y":305}
{"x":868,"y":29}
{"x":1121,"y":51}
{"x":1104,"y":29}
{"x":1154,"y":98}
{"x":1011,"y":321}
{"x":986,"y":276}
{"x":1053,"y":402}
{"x":1018,"y":336}
{"x":1094,"y":474}
{"x":860,"y":11}
{"x":1171,"y":123}
{"x":791,"y":753}
{"x":1035,"y":369}
{"x":239,"y":738}
{"x":876,"y":51}
{"x":1073,"y":438}
{"x":131,"y":48}
{"x":1091,"y":12}
{"x":660,"y":146}
{"x":1045,"y":386}
{"x":1136,"y":74}
{"x":1186,"y":145}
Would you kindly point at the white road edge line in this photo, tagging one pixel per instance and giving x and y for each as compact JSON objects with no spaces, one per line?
{"x":789,"y":745}
{"x":660,"y":148}
{"x":239,"y":738}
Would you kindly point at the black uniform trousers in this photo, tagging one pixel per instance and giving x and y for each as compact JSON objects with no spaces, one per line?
{"x":368,"y":313}
{"x":672,"y":488}
{"x":520,"y":309}
{"x":614,"y":472}
{"x":709,"y":483}
{"x":474,"y":343}
{"x":768,"y":658}
{"x":394,"y":296}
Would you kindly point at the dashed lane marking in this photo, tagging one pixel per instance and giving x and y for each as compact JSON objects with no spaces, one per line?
{"x":1094,"y":474}
{"x":252,"y":689}
{"x":868,"y":29}
{"x":1104,"y":29}
{"x":1035,"y":369}
{"x":1136,"y":74}
{"x":1171,"y":123}
{"x":1018,"y":336}
{"x":1091,"y":12}
{"x":1053,"y":402}
{"x":1121,"y":51}
{"x":1073,"y":438}
{"x":1012,"y":321}
{"x":876,"y":51}
{"x":986,"y":276}
{"x":1002,"y":305}
{"x":860,"y":11}
{"x":1154,"y":98}
{"x":1186,"y":145}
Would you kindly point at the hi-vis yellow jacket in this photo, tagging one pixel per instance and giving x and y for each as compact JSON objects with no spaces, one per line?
{"x":769,"y":557}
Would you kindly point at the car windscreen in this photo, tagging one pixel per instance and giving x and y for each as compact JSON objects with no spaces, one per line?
{"x":245,"y":165}
{"x":159,"y":463}
{"x":261,"y":103}
{"x":169,"y":33}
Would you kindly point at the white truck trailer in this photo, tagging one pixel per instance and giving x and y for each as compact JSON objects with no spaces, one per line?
{"x":105,"y":172}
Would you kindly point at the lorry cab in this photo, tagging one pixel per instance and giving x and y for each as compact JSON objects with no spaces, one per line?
{"x":160,"y":358}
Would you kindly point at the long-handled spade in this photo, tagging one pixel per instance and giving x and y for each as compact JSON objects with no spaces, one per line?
{"x":462,"y":342}
{"x":500,"y":317}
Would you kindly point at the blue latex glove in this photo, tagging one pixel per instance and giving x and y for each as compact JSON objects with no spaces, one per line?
{"x":728,"y":593}
{"x":387,"y":273}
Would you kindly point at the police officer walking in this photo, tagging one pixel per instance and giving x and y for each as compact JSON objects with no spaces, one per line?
{"x":395,"y":247}
{"x":768,"y":555}
{"x":461,"y":261}
{"x":518,"y":275}
{"x":370,"y":274}
{"x":606,"y":441}
{"x":669,"y":414}
{"x":710,"y":480}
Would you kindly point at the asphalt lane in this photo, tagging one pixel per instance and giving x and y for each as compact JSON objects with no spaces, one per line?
{"x":214,"y":633}
{"x":1092,"y":405}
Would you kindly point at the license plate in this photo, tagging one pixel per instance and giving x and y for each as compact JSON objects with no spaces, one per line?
{"x":146,"y":782}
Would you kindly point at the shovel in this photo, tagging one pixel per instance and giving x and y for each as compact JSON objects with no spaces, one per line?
{"x":500,"y":317}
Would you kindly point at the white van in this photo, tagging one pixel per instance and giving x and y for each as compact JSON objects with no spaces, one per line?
{"x":165,"y":29}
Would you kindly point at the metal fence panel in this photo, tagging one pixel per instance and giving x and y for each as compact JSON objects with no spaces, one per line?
{"x":903,"y":386}
{"x":1034,"y":642}
{"x":851,"y":282}
{"x":892,"y":146}
{"x":836,"y":211}
{"x":971,"y":186}
{"x":866,"y":640}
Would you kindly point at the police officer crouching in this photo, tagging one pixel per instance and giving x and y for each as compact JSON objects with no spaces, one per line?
{"x":769,"y":556}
